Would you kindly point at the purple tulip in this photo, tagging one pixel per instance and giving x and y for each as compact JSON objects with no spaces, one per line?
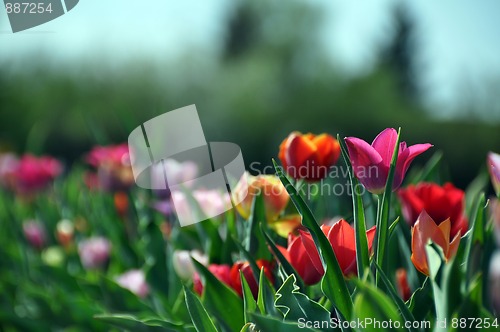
{"x":371,"y":163}
{"x":134,"y":281}
{"x":94,"y":252}
{"x":494,"y":168}
{"x":35,"y":234}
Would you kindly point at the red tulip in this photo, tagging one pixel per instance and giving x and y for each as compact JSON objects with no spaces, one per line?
{"x":439,"y":202}
{"x":298,"y":257}
{"x":221,"y":272}
{"x":245,"y":268}
{"x":341,"y":237}
{"x":494,"y":168}
{"x":371,"y":163}
{"x":426,"y":229}
{"x":309,"y":156}
{"x":402,"y":284}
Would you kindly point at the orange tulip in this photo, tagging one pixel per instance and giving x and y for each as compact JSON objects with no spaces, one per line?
{"x":426,"y":229}
{"x":270,"y":187}
{"x":309,"y":156}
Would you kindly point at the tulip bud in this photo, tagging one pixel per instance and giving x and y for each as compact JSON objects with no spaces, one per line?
{"x":34,"y":233}
{"x":308,"y":156}
{"x":494,"y":169}
{"x":134,"y":281}
{"x":94,"y":252}
{"x":245,"y":268}
{"x":426,"y":229}
{"x":64,"y":232}
{"x":121,"y":203}
{"x":269,"y":186}
{"x":183,"y":264}
{"x":53,"y":256}
{"x":221,"y":272}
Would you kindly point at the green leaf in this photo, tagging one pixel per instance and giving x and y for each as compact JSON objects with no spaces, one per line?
{"x":371,"y":303}
{"x":475,"y":241}
{"x":266,"y":296}
{"x":403,"y":309}
{"x":435,"y":261}
{"x":295,"y":305}
{"x":201,"y":320}
{"x":362,"y":252}
{"x":264,"y":323}
{"x":381,"y":237}
{"x":256,"y":244}
{"x":421,"y":301}
{"x":282,"y":260}
{"x":333,"y":284}
{"x":133,"y":323}
{"x":249,"y":302}
{"x":221,"y":301}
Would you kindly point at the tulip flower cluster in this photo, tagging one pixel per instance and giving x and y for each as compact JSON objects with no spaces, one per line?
{"x":412,"y":246}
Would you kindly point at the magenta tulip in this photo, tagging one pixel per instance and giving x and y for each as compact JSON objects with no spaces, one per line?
{"x":371,"y":163}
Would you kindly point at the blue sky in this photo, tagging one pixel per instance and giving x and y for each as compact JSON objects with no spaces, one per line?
{"x":461,"y":38}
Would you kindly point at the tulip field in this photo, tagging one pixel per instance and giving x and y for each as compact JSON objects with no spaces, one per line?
{"x":83,"y":248}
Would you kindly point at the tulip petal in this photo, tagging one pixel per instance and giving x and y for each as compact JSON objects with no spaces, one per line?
{"x":384,"y":144}
{"x":370,"y":236}
{"x":418,"y":255}
{"x":405,"y":157}
{"x":312,"y":251}
{"x":300,"y":149}
{"x":364,"y":158}
{"x":341,"y":237}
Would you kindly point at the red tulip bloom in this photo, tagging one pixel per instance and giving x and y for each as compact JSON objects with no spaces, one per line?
{"x":494,"y":168}
{"x":298,"y":257}
{"x":341,"y":237}
{"x":221,"y":272}
{"x":245,"y":268}
{"x":33,"y":174}
{"x":371,"y":163}
{"x":425,"y":230}
{"x":309,"y":156}
{"x":439,"y":202}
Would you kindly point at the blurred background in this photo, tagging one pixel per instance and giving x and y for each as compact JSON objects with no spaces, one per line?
{"x":256,"y":71}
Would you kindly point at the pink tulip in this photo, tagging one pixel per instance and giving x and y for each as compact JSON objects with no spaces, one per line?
{"x":94,"y":252}
{"x":494,"y":168}
{"x":371,"y":163}
{"x":134,"y":281}
{"x":33,"y":174}
{"x":113,"y":167}
{"x":35,"y":234}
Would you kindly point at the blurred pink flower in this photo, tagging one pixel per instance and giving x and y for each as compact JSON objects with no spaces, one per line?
{"x":35,"y":233}
{"x":371,"y":163}
{"x":33,"y":174}
{"x":210,"y":202}
{"x":113,"y":167}
{"x":494,"y":168}
{"x":134,"y":281}
{"x":8,"y":164}
{"x":94,"y":252}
